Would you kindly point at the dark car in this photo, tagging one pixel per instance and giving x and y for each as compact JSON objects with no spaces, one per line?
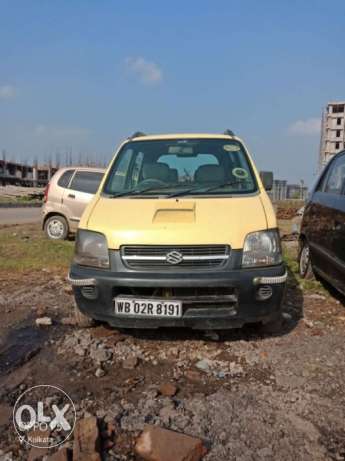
{"x":322,"y":236}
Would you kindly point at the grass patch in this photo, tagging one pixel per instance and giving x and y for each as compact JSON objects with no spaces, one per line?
{"x":19,"y":199}
{"x":28,"y":249}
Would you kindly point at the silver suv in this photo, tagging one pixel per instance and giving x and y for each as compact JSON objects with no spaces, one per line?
{"x":65,"y":198}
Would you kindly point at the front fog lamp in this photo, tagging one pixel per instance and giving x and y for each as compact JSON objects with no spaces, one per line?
{"x":262,"y":249}
{"x":91,"y":249}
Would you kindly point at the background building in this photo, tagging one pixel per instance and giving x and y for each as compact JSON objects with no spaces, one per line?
{"x":332,"y":131}
{"x":296,"y":191}
{"x":36,"y":175}
{"x":281,"y":190}
{"x":19,"y":174}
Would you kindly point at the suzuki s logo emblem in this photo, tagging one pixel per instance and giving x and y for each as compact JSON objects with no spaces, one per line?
{"x":174,"y":257}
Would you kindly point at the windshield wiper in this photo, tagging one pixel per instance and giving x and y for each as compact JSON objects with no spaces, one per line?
{"x":132,"y":192}
{"x":218,"y":186}
{"x":224,"y":184}
{"x":174,"y":194}
{"x":140,"y":191}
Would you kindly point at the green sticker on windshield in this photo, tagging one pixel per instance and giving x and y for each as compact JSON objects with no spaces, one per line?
{"x":231,"y":147}
{"x":240,"y":173}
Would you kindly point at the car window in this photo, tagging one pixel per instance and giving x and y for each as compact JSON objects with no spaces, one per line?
{"x":120,"y":174}
{"x":321,"y":182}
{"x":86,"y":181}
{"x":65,"y":178}
{"x":137,"y":166}
{"x":218,"y":166}
{"x":336,"y":177}
{"x":186,"y":167}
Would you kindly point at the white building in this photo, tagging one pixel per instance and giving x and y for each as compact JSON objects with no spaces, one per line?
{"x":332,"y":131}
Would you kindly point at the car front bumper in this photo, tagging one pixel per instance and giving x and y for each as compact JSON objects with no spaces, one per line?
{"x":232,"y":296}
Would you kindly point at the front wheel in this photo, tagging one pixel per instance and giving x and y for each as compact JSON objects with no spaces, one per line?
{"x":304,"y":262}
{"x":56,"y":228}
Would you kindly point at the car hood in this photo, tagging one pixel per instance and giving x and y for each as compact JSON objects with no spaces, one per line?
{"x":182,"y":221}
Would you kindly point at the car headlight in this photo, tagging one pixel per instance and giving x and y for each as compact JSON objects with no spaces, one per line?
{"x":91,"y":249}
{"x":262,"y":249}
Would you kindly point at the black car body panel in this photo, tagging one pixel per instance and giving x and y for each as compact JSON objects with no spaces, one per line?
{"x":323,"y":223}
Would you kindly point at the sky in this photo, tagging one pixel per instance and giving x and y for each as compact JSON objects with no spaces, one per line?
{"x":80,"y":76}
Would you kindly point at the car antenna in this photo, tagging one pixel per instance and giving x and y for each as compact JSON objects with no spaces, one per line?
{"x":229,"y":133}
{"x":137,"y":134}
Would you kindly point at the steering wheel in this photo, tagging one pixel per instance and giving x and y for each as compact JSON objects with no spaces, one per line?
{"x":152,"y":182}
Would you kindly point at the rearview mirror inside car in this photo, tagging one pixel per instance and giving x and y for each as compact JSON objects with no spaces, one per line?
{"x":267,"y":179}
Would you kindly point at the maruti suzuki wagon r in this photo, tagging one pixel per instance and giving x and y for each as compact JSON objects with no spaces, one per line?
{"x":180,"y":233}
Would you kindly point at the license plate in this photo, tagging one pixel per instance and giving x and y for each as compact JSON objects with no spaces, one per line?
{"x":147,"y":307}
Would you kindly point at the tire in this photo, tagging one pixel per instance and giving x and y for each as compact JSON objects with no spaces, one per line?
{"x":82,"y":320}
{"x":56,"y":228}
{"x":274,"y":326}
{"x":305,"y":268}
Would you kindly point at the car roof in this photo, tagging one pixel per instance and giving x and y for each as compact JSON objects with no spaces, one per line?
{"x":82,"y":168}
{"x":183,"y":136}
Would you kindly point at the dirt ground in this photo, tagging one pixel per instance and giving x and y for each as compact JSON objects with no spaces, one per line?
{"x":248,"y":396}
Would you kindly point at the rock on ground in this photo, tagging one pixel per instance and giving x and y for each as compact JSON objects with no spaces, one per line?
{"x":86,"y":440}
{"x":168,"y":389}
{"x":157,"y":444}
{"x":44,"y":321}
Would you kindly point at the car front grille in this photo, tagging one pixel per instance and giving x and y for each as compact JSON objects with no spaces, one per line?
{"x":175,"y":257}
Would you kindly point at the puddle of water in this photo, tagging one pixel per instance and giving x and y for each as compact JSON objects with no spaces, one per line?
{"x":20,"y":345}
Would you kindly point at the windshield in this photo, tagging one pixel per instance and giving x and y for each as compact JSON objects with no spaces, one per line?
{"x":181,"y":167}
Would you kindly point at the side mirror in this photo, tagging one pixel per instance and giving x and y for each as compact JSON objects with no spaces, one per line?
{"x":267,"y":179}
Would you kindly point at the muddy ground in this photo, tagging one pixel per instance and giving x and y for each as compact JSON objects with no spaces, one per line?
{"x":248,"y":396}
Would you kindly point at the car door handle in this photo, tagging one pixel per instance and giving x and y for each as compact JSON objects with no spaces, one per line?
{"x":71,"y":196}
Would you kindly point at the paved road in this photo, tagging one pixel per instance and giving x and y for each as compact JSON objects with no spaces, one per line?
{"x":19,"y":215}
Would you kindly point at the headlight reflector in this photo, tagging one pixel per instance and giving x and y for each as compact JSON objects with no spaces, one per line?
{"x":91,"y":249}
{"x":262,"y":249}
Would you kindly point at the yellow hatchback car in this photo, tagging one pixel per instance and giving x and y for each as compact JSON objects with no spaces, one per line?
{"x":180,"y":233}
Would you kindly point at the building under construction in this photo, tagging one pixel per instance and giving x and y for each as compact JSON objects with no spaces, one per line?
{"x":332,"y":131}
{"x":19,"y":174}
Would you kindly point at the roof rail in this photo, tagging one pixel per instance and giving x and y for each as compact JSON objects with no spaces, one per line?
{"x":136,"y":135}
{"x":229,"y":133}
